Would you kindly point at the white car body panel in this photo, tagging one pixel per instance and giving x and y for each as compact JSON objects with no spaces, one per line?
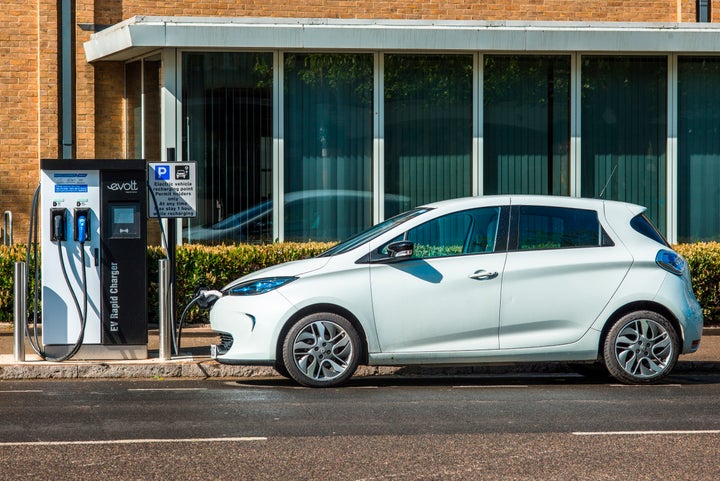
{"x":552,"y":297}
{"x":543,"y":305}
{"x":294,"y":268}
{"x":585,"y":349}
{"x":252,"y":323}
{"x":449,"y":310}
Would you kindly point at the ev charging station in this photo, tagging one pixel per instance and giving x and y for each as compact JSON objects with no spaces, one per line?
{"x":93,"y":227}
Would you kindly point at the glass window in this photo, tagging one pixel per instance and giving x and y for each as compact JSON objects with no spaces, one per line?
{"x":468,"y":232}
{"x":698,"y":149}
{"x":526,"y":116}
{"x":372,"y":233}
{"x":642,"y":225}
{"x":133,"y":110}
{"x":152,"y":70}
{"x":227,"y":129}
{"x":142,"y":113}
{"x":328,"y":145}
{"x":428,"y":129}
{"x":142,"y":108}
{"x":624,"y":131}
{"x":556,"y":227}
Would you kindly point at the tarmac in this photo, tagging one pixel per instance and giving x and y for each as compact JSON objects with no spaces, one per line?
{"x":194,"y":361}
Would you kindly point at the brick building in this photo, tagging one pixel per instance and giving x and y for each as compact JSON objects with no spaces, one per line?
{"x":314,"y":119}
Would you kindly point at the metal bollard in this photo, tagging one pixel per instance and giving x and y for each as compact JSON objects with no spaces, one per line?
{"x":164,"y":330}
{"x":20,"y":311}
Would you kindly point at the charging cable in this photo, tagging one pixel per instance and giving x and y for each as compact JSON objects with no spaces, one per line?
{"x":32,"y":247}
{"x":204,"y":298}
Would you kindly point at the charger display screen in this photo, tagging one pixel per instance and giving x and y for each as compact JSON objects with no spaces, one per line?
{"x":124,"y":220}
{"x":124,"y":215}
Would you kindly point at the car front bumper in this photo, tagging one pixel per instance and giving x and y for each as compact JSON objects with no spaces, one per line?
{"x":249,"y":327}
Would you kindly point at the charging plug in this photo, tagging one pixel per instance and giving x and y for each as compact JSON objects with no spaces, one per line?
{"x":57,"y":225}
{"x":205,"y":298}
{"x":82,"y":225}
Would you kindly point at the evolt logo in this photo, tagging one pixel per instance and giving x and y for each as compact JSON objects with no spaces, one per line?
{"x":130,"y":186}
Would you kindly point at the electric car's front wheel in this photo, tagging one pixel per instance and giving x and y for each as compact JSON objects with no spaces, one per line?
{"x":321,"y":350}
{"x":641,"y":348}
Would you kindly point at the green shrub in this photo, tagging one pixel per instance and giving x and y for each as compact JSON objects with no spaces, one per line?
{"x":704,"y":261}
{"x":195,"y":264}
{"x":216,"y":266}
{"x":9,"y":255}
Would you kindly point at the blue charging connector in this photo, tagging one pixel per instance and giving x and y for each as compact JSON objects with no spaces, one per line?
{"x":82,"y":229}
{"x":82,"y":225}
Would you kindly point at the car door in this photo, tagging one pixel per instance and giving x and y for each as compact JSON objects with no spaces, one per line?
{"x":562,"y":269}
{"x":446,"y":298}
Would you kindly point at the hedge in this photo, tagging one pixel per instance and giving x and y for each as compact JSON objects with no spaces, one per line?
{"x":216,"y":266}
{"x":9,"y":255}
{"x":195,"y":264}
{"x":704,"y":260}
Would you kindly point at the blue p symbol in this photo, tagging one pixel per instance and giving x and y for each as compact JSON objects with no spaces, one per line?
{"x":162,"y":172}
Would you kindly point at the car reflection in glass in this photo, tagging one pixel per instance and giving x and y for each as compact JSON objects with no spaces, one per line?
{"x":320,"y":215}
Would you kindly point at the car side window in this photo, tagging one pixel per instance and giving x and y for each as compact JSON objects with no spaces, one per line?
{"x":469,"y":232}
{"x":538,"y":227}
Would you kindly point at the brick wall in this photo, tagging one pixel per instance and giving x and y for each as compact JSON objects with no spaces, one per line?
{"x":570,"y":10}
{"x":20,"y":100}
{"x":29,"y":77}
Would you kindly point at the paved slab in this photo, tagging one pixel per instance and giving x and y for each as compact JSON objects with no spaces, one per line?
{"x":195,"y":362}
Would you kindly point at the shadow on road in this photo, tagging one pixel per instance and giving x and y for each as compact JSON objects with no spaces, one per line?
{"x":490,"y":381}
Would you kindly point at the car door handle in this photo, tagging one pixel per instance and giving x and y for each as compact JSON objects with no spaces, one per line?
{"x":483,"y":275}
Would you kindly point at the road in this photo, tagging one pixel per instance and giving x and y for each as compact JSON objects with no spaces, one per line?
{"x":495,"y":428}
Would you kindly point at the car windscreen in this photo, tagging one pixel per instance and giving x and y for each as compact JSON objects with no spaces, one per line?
{"x":373,"y":232}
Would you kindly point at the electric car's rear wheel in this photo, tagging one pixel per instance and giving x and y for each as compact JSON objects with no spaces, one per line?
{"x":321,"y":350}
{"x":641,"y":348}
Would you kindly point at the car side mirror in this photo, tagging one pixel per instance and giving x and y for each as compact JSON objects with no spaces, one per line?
{"x":401,"y":250}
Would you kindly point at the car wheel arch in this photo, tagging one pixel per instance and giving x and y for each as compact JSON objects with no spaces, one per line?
{"x":318,"y":308}
{"x":638,"y":306}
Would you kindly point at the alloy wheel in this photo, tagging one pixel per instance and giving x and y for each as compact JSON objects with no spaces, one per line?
{"x":644,"y":348}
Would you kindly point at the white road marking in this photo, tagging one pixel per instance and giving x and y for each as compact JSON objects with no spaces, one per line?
{"x":134,"y":441}
{"x":644,"y":433}
{"x":496,"y":386}
{"x":21,"y":391}
{"x":169,"y":389}
{"x":645,"y":385}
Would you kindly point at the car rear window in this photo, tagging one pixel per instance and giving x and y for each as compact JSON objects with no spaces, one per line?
{"x":540,"y":227}
{"x":643,"y":225}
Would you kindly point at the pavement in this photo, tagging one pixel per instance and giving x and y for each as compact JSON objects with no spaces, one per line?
{"x":194,"y":362}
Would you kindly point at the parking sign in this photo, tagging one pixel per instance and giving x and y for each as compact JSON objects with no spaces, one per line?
{"x":162,"y":172}
{"x":173,"y":189}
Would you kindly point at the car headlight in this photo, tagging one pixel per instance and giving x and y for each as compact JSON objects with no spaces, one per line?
{"x":671,"y":261}
{"x":259,"y":286}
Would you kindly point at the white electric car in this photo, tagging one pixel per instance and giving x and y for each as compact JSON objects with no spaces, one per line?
{"x":467,"y":281}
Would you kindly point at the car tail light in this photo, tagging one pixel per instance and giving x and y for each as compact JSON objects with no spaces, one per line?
{"x":671,"y":261}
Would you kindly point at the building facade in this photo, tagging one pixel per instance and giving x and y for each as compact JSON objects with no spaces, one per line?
{"x":314,"y":120}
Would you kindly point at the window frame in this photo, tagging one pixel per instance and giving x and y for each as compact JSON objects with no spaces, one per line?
{"x":501,"y":235}
{"x":604,"y":239}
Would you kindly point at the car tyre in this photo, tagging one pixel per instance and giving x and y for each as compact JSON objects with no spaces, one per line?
{"x":321,"y":350}
{"x":641,"y":348}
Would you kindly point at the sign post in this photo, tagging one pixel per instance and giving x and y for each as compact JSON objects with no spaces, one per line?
{"x":173,"y":192}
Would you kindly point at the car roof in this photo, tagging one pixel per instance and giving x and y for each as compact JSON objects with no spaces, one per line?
{"x":549,"y":200}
